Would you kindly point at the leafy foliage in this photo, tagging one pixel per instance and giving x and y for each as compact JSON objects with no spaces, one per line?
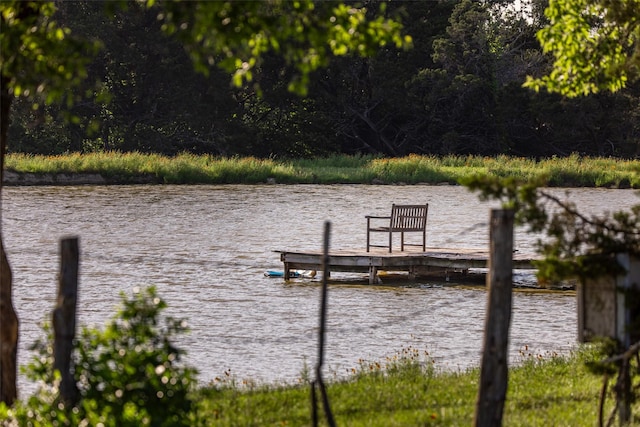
{"x":129,"y":374}
{"x":32,"y":40}
{"x":575,"y":245}
{"x":595,"y":43}
{"x":237,"y":35}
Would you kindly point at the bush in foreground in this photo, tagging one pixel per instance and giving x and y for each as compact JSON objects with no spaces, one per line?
{"x":129,"y":374}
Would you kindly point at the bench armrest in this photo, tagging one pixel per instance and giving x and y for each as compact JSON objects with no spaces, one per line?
{"x":377,"y":217}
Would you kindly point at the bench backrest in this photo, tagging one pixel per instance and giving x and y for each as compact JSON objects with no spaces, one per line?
{"x":409,"y":217}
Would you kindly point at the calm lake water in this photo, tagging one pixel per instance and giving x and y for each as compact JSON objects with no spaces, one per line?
{"x":206,"y":248}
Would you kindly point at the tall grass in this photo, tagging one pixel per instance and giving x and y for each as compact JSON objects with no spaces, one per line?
{"x":543,"y":390}
{"x":572,"y":171}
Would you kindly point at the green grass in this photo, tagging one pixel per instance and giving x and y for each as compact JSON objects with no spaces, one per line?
{"x":572,"y":171}
{"x":543,"y":391}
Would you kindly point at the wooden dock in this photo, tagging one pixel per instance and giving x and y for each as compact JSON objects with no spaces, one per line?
{"x":441,"y":260}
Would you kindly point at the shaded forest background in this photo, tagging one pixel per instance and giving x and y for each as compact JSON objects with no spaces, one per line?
{"x":458,"y":91}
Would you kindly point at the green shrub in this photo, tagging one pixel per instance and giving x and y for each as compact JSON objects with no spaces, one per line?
{"x":129,"y":374}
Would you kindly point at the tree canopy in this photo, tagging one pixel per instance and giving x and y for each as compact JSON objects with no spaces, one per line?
{"x":595,"y":45}
{"x":237,"y":35}
{"x":38,"y":57}
{"x":458,"y":91}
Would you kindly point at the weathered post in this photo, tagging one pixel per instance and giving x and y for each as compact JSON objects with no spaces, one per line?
{"x":8,"y":333}
{"x":319,"y":382}
{"x":494,"y":369}
{"x":64,"y":318}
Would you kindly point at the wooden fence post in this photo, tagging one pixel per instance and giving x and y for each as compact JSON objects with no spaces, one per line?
{"x":319,"y":382}
{"x":64,"y":318}
{"x":494,"y":369}
{"x":8,"y":333}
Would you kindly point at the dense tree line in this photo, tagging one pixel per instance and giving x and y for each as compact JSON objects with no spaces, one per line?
{"x":457,"y":91}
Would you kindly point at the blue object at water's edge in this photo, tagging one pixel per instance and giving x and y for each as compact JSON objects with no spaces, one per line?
{"x":273,"y":273}
{"x":295,"y":274}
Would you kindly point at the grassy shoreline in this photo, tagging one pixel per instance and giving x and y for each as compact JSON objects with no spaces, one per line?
{"x":125,"y":168}
{"x":543,"y":390}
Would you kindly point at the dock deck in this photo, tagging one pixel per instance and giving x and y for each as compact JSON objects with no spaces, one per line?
{"x":415,"y":263}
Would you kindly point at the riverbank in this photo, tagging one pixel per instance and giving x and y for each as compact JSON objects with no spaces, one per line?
{"x":114,"y":168}
{"x":543,"y":390}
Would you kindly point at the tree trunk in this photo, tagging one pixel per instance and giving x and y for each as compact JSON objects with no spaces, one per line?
{"x":8,"y":317}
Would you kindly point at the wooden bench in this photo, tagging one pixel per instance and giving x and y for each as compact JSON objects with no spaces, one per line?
{"x":403,"y":219}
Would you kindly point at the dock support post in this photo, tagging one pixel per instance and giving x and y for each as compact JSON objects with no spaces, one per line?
{"x":287,"y":272}
{"x":494,"y":368}
{"x":373,"y":273}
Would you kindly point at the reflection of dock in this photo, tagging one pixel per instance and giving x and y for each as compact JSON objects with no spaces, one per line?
{"x":442,"y":260}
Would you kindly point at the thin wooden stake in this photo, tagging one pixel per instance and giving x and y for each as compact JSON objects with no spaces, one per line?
{"x":321,"y":334}
{"x":603,"y":396}
{"x":494,"y":369}
{"x":64,"y":318}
